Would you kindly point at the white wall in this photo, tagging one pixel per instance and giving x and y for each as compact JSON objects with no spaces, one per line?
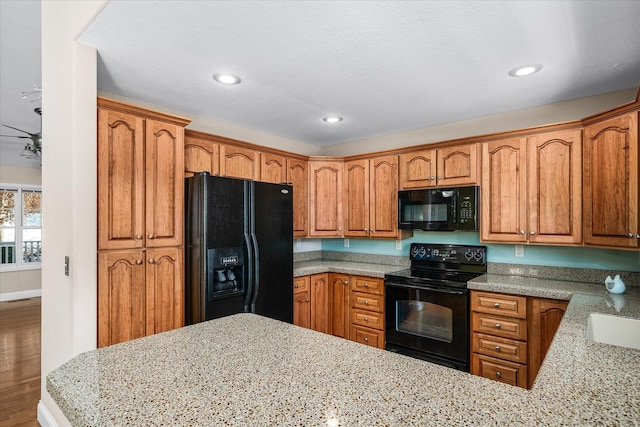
{"x":69,"y":184}
{"x":23,"y":283}
{"x":560,"y":112}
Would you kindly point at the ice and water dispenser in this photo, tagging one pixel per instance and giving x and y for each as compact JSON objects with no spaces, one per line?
{"x":225,"y":272}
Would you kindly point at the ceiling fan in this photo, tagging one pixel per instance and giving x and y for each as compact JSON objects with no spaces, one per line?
{"x":32,"y":149}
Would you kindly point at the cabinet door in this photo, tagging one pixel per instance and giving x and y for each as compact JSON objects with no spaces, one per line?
{"x":545,"y":316}
{"x":325,"y":194}
{"x":164,"y":184}
{"x":165,"y":290}
{"x":611,"y":182}
{"x":121,"y":296}
{"x":121,"y":210}
{"x":555,"y":187}
{"x":339,"y":296}
{"x":457,"y":165}
{"x":356,"y":198}
{"x":418,"y":169}
{"x":504,"y":209}
{"x":273,"y":168}
{"x":298,"y":176}
{"x":383,"y":197}
{"x":302,"y":309}
{"x":201,"y":156}
{"x":238,"y":162}
{"x":320,"y":303}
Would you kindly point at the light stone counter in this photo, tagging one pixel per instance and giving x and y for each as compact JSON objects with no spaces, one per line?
{"x":247,"y":370}
{"x":305,"y":268}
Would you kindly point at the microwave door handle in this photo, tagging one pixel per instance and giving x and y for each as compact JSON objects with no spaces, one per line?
{"x":454,"y":208}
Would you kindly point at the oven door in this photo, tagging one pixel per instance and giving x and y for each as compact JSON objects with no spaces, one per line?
{"x":430,"y":323}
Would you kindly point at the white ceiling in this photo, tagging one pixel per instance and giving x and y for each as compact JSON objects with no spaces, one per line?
{"x":385,"y":66}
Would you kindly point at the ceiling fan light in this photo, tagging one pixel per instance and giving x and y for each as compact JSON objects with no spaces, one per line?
{"x":332,"y":119}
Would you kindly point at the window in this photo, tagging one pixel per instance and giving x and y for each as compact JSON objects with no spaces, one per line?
{"x":20,"y":227}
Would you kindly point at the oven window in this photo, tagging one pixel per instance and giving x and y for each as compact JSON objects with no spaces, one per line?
{"x":425,"y":212}
{"x":424,"y":319}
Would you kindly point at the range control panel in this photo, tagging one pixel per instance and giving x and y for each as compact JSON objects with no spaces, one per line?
{"x":458,"y":254}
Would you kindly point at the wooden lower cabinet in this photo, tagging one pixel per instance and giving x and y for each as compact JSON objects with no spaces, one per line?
{"x":320,"y":303}
{"x":140,"y":293}
{"x":545,"y":316}
{"x":511,"y":335}
{"x":350,"y":307}
{"x":301,"y":302}
{"x":339,"y":297}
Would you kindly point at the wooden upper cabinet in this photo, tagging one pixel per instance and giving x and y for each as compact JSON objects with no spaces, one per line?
{"x":273,"y":168}
{"x":298,"y":176}
{"x":456,"y":165}
{"x":504,"y":206}
{"x":164,"y":184}
{"x":325,"y":198}
{"x":383,"y":197}
{"x":555,"y":187}
{"x":610,"y":183}
{"x":201,"y":155}
{"x":121,"y":209}
{"x":238,"y":162}
{"x":418,"y":169}
{"x":356,"y":198}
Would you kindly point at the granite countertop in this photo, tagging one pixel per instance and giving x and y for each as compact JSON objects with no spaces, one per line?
{"x":249,"y":370}
{"x":305,"y":268}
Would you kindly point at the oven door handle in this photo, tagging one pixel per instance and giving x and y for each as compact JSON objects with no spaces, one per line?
{"x":428,"y":287}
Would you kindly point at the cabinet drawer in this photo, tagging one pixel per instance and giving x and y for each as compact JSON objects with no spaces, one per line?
{"x":301,"y":284}
{"x":502,"y":348}
{"x":367,"y":318}
{"x":501,"y":326}
{"x":367,"y":336}
{"x":500,"y":304}
{"x":499,"y":370}
{"x":367,"y":302}
{"x":370,"y":285}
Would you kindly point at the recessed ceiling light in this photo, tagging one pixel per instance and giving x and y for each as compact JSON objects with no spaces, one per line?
{"x":226,"y":79}
{"x":525,"y":71}
{"x":332,"y":119}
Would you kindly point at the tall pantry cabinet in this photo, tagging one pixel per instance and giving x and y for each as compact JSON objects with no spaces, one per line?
{"x":140,"y":222}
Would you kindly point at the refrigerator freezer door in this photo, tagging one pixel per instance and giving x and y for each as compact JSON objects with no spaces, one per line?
{"x":272,"y":227}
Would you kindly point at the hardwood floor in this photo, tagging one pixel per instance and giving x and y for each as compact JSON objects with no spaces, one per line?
{"x":19,"y":362}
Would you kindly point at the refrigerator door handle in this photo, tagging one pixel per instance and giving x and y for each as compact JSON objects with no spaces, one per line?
{"x":249,"y":281}
{"x":256,"y":280}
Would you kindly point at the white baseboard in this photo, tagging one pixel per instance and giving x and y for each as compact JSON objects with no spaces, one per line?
{"x":11,"y":296}
{"x":44,"y":416}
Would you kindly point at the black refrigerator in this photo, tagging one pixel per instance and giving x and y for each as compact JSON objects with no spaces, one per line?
{"x":238,"y":248}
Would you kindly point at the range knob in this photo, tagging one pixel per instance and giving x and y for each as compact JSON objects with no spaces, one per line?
{"x":414,"y":251}
{"x":468,"y":255}
{"x":478,"y":256}
{"x":422,"y":251}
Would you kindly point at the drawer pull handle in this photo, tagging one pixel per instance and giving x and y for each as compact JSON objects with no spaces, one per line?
{"x":366,"y":285}
{"x":497,"y":348}
{"x":366,"y":319}
{"x":498,"y":375}
{"x":295,"y":286}
{"x":366,"y":339}
{"x":496,"y":304}
{"x":498,"y":325}
{"x":366,"y":302}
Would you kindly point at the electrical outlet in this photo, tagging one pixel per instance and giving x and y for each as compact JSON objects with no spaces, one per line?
{"x":66,"y":265}
{"x":398,"y":245}
{"x":298,"y":243}
{"x":519,"y":251}
{"x":346,"y":243}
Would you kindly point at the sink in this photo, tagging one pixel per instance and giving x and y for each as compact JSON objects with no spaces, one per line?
{"x":614,"y":330}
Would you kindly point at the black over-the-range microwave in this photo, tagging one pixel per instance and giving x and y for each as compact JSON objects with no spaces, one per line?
{"x":439,"y":209}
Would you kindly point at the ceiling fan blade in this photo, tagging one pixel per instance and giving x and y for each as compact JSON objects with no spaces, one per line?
{"x":17,"y":136}
{"x":19,"y":130}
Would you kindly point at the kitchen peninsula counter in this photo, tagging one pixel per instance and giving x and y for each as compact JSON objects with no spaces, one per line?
{"x":248,"y":370}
